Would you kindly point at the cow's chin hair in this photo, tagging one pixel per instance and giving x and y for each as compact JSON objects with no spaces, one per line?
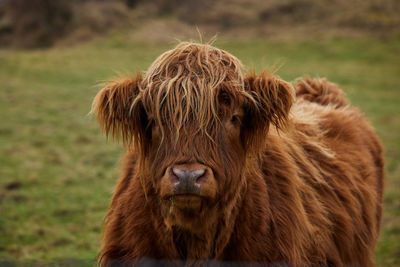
{"x":189,"y":212}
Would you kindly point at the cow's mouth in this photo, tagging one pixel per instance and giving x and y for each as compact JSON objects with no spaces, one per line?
{"x":186,"y":211}
{"x":186,"y":201}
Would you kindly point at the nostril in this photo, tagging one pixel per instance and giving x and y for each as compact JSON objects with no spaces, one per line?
{"x":196,"y":174}
{"x":179,"y":173}
{"x":174,"y":176}
{"x":201,"y":177}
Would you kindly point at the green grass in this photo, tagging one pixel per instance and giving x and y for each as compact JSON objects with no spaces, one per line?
{"x":57,"y":173}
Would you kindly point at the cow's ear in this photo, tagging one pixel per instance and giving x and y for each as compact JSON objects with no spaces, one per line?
{"x":271,"y":100}
{"x":119,"y":110}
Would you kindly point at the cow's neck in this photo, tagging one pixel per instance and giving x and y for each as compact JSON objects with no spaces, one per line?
{"x":249,"y":221}
{"x":212,"y":240}
{"x":193,"y":246}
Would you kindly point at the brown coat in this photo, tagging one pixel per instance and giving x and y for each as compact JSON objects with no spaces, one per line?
{"x":282,"y":181}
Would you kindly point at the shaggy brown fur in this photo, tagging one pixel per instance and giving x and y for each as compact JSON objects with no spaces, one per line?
{"x":286,"y":182}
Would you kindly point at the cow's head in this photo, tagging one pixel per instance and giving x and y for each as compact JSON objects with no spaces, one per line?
{"x":194,"y":122}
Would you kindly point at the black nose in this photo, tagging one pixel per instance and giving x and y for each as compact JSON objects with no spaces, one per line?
{"x":188,"y":180}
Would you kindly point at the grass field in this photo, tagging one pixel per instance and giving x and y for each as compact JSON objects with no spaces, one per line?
{"x":57,"y":173}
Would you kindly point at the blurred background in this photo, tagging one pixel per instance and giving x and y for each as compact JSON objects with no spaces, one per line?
{"x":57,"y":172}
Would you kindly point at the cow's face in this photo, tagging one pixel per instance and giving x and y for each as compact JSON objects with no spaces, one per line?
{"x":194,"y":168}
{"x":194,"y":121}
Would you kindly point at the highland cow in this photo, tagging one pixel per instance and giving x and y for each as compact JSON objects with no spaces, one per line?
{"x":225,"y":167}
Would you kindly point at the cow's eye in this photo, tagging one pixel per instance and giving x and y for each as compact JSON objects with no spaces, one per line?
{"x":236,"y":120}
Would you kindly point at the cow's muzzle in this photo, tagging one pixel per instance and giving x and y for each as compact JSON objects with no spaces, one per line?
{"x":192,"y":179}
{"x":187,"y":180}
